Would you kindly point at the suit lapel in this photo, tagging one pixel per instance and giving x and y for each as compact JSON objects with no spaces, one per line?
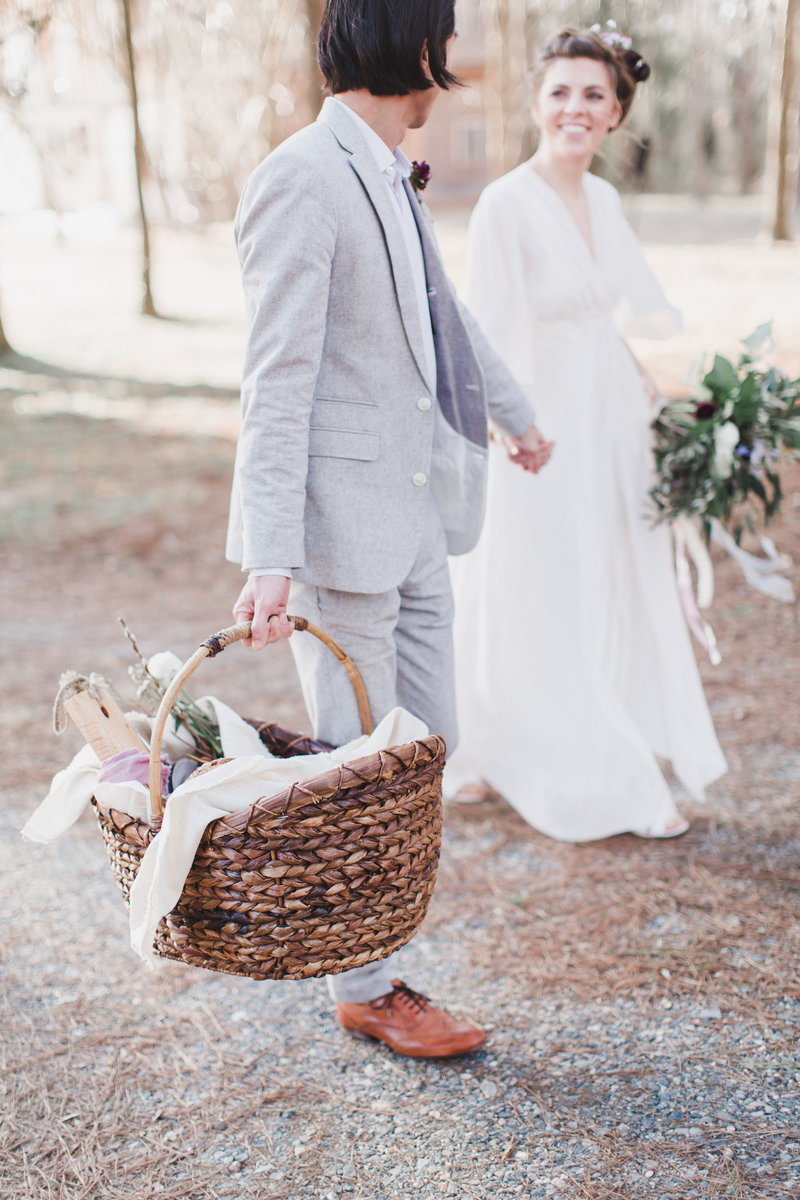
{"x":460,"y":387}
{"x":365,"y":167}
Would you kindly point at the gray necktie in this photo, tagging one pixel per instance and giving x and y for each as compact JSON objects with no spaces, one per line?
{"x":460,"y":388}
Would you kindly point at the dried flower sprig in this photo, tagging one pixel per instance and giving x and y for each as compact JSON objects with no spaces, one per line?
{"x":153,"y":676}
{"x":609,"y":36}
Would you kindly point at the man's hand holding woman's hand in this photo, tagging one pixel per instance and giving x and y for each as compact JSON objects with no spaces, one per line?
{"x":531,"y":451}
{"x":262,"y":601}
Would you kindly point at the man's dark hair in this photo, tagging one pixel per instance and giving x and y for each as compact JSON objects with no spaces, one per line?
{"x":378,"y":45}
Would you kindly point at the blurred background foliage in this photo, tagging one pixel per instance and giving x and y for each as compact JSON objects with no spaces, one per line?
{"x":158,"y":110}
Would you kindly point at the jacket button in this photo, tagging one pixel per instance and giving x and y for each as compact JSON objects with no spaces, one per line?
{"x":424,"y":404}
{"x":420,"y":479}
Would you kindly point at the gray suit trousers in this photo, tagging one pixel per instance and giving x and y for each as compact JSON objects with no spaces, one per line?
{"x":401,"y":642}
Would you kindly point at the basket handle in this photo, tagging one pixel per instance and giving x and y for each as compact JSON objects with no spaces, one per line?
{"x":209,"y":649}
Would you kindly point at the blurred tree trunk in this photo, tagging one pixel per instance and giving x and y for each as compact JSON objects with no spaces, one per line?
{"x":148,"y":305}
{"x":13,"y":90}
{"x":744,"y":110}
{"x":698,"y":114}
{"x":531,"y":34}
{"x":30,"y":131}
{"x":508,"y":115}
{"x":314,"y":19}
{"x":785,"y":173}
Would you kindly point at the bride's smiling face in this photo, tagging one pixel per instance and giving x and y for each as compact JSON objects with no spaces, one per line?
{"x":575,"y":107}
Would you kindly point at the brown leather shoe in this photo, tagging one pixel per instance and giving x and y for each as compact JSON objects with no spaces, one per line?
{"x":409,"y":1024}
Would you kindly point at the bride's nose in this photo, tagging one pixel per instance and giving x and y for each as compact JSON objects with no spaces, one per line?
{"x":574,"y":103}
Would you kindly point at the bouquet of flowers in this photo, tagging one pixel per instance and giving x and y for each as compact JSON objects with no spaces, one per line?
{"x":717,"y":467}
{"x":717,"y":454}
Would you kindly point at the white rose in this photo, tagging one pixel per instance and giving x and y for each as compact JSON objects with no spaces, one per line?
{"x":164,"y":667}
{"x":726,"y":439}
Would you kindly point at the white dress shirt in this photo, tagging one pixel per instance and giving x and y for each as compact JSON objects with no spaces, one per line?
{"x":394,"y":166}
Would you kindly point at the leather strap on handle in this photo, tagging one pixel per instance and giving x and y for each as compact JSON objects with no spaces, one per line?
{"x":209,"y":649}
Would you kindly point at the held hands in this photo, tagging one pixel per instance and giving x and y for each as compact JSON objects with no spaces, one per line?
{"x":531,"y":451}
{"x":262,"y":601}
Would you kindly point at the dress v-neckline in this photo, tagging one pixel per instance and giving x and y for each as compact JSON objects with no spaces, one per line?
{"x":590,"y":249}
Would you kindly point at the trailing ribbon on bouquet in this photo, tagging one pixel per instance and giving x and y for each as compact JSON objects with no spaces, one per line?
{"x":764,"y":574}
{"x":686,"y":537}
{"x":761,"y":573}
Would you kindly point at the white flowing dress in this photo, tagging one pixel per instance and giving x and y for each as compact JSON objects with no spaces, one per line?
{"x":574,"y":667}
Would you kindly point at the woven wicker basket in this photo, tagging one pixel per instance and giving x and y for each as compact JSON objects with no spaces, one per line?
{"x":328,"y":875}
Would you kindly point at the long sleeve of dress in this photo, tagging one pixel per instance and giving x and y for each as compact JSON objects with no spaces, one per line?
{"x":498,"y":292}
{"x":644,"y":310}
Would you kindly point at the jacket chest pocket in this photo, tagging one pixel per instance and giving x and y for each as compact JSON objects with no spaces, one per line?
{"x":343,"y":443}
{"x":344,"y":429}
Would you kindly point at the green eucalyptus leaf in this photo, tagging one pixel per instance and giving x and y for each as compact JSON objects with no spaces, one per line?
{"x":699,"y":428}
{"x":760,"y":339}
{"x":722,"y":378}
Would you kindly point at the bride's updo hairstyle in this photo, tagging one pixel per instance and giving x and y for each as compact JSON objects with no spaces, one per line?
{"x":625,"y":65}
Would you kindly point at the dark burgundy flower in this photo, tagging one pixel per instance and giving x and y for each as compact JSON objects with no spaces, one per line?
{"x":420,"y":176}
{"x":705,"y":410}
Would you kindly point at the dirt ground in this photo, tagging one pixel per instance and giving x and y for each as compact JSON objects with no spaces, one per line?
{"x":117,"y":438}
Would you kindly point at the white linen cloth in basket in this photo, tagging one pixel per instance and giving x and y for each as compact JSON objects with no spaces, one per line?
{"x":252,"y":774}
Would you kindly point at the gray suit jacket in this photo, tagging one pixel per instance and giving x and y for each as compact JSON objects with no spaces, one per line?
{"x":341,"y":439}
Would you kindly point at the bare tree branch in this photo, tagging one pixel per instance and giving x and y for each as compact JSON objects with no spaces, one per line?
{"x":148,"y":304}
{"x":314,"y":18}
{"x":787,"y":131}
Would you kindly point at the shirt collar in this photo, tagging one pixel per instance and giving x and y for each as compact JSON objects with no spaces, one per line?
{"x":386,"y":160}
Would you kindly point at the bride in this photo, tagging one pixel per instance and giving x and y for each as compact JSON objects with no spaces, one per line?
{"x":574,"y":664}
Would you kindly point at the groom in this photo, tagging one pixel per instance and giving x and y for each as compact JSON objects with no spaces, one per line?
{"x":362,"y":455}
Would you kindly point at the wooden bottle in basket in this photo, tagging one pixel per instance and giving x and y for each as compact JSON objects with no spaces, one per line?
{"x":101,"y":721}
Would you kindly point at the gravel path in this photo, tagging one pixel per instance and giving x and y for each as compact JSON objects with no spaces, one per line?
{"x":674,"y":1081}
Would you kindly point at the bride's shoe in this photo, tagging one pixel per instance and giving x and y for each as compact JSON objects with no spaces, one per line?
{"x":673,"y":828}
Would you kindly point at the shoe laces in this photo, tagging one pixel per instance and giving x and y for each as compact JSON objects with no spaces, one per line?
{"x":406,"y":996}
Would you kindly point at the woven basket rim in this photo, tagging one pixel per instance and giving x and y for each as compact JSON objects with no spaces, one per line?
{"x":372,"y":768}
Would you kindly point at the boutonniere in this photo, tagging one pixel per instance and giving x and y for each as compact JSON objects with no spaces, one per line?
{"x":420,"y":176}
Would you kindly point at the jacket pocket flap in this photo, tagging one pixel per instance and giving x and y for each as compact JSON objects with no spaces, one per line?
{"x":343,"y":443}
